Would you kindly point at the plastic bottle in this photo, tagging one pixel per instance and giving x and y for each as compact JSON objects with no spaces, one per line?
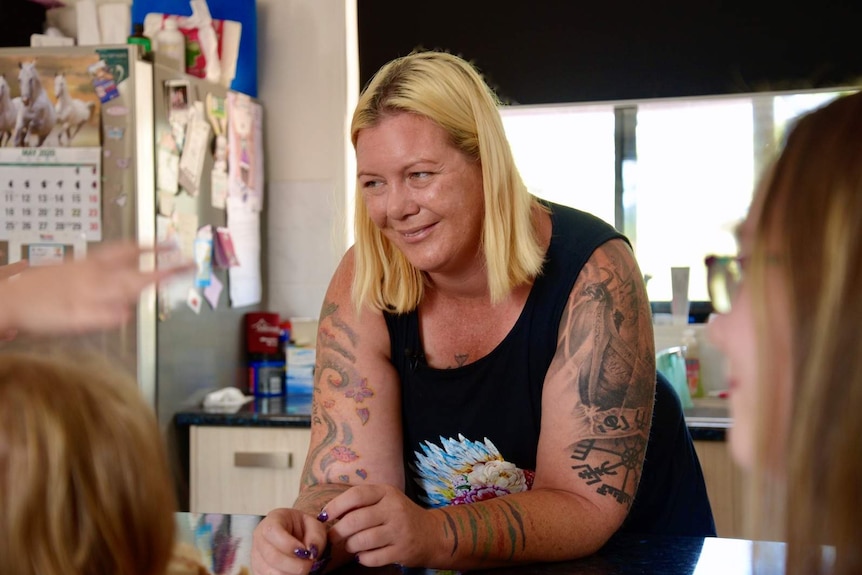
{"x":692,"y":363}
{"x":266,"y":375}
{"x":284,"y":346}
{"x":139,"y":39}
{"x":171,"y":43}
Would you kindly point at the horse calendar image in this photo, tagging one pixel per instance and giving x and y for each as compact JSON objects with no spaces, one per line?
{"x":49,"y":101}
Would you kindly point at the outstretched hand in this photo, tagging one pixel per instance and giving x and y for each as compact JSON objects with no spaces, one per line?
{"x":10,"y":270}
{"x":97,"y":292}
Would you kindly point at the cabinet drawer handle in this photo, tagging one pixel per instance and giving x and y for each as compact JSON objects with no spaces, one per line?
{"x":282,"y":460}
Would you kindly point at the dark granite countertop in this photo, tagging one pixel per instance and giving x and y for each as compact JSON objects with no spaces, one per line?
{"x":260,"y":412}
{"x":622,"y":555}
{"x":708,"y":420}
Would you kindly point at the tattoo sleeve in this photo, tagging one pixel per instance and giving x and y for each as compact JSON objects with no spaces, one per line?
{"x":340,"y":403}
{"x":493,"y":529}
{"x":605,"y":351}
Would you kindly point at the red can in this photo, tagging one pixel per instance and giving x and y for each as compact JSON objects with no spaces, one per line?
{"x":261,"y":332}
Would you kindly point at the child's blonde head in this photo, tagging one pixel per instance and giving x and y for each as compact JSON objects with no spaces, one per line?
{"x":85,"y":487}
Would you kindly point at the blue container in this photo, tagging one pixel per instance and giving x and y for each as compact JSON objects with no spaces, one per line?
{"x":266,"y":377}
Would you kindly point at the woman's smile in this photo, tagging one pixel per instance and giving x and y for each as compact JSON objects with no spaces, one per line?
{"x":423,"y":193}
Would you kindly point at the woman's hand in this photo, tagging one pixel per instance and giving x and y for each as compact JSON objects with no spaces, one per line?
{"x":97,"y":292}
{"x":379,"y":525}
{"x":288,"y":542}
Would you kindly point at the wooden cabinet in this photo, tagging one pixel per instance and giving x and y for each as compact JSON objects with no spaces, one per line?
{"x":245,"y":470}
{"x":725,"y":484}
{"x":252,"y":470}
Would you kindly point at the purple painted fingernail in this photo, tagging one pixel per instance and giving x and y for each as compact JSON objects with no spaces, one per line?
{"x":302,"y":553}
{"x":312,"y":551}
{"x":318,"y":565}
{"x":323,"y":516}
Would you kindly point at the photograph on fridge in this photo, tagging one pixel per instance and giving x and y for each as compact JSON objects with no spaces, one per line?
{"x":48,"y":101}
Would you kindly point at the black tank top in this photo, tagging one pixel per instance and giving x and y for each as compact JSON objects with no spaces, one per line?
{"x":472,"y":432}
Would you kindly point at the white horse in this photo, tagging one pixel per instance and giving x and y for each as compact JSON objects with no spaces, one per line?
{"x":72,"y":113}
{"x":8,"y":111}
{"x":37,"y":115}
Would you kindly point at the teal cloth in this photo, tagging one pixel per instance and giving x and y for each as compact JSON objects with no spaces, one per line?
{"x":671,"y":363}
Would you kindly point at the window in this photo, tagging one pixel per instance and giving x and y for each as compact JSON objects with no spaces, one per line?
{"x":684,"y":187}
{"x":694,"y":176}
{"x":566,"y":154}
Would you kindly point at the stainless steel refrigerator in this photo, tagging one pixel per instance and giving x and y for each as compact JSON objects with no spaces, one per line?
{"x":110,"y":151}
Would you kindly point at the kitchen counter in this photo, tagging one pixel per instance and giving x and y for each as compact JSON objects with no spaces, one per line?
{"x":708,"y":420}
{"x":260,"y":412}
{"x":223,"y":543}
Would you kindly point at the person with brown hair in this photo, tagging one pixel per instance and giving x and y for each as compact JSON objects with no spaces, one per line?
{"x":85,"y":487}
{"x":791,"y":339}
{"x":485,"y":384}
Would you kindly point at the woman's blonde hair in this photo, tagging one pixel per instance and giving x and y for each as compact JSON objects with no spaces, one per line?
{"x":812,"y":214}
{"x":85,"y":487}
{"x":451,"y":92}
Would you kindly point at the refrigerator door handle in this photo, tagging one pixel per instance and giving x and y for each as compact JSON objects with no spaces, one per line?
{"x":269,"y":460}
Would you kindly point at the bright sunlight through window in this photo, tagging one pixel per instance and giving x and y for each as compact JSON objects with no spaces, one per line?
{"x":697,"y":164}
{"x":565,"y":154}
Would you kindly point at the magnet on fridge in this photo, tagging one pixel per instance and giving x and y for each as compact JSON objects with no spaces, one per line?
{"x":203,"y":256}
{"x":225,"y":254}
{"x":194,"y":300}
{"x":213,"y":291}
{"x":115,"y":132}
{"x":177,"y":96}
{"x":117,"y":110}
{"x":177,"y":103}
{"x":104,"y":83}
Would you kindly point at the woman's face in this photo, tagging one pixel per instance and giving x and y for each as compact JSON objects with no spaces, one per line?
{"x":735,"y":335}
{"x":423,"y":193}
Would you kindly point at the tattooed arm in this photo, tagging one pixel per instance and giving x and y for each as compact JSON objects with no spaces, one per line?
{"x":356,"y":409}
{"x":598,"y":396}
{"x":596,"y":413}
{"x":355,"y":428}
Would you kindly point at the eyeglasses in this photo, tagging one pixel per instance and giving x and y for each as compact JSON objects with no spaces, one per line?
{"x":723,"y":275}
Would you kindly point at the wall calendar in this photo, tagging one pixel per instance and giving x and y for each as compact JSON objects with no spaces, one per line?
{"x":51,"y":190}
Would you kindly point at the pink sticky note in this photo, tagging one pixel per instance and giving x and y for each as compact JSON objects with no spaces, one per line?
{"x":213,"y":291}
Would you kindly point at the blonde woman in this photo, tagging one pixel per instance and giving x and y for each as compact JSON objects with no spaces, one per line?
{"x":485,"y":361}
{"x":85,"y":487}
{"x":793,"y":346}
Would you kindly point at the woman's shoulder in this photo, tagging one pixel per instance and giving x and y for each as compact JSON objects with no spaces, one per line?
{"x":572,"y":218}
{"x":579,"y":232}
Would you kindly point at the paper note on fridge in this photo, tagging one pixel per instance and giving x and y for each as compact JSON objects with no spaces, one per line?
{"x":244,"y":281}
{"x":194,"y":152}
{"x":225,"y":253}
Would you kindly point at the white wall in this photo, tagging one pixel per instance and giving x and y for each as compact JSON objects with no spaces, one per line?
{"x":307,"y":72}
